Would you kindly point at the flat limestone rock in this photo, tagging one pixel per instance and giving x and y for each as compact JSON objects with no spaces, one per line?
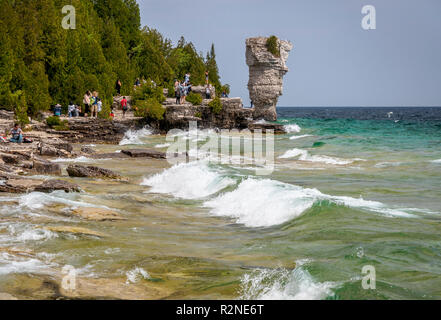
{"x":75,"y":170}
{"x":53,"y":185}
{"x":145,"y":153}
{"x":75,"y":230}
{"x":7,"y":296}
{"x":109,"y":155}
{"x":20,"y":185}
{"x":97,"y":214}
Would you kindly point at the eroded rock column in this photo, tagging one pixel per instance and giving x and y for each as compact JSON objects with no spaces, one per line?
{"x":266,"y":76}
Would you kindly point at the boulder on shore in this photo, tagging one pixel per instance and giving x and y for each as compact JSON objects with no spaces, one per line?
{"x":53,"y":185}
{"x":145,"y":153}
{"x":46,"y":167}
{"x":75,"y":170}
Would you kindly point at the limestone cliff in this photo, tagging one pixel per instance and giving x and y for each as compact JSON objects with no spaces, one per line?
{"x":266,"y":76}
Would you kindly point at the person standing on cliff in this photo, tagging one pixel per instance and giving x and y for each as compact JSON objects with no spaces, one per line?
{"x":177,"y":92}
{"x":187,"y":78}
{"x":118,"y":86}
{"x":206,"y":77}
{"x":94,"y":102}
{"x":124,"y":106}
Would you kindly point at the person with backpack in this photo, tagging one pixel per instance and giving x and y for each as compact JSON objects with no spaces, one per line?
{"x":124,"y":106}
{"x":94,"y":102}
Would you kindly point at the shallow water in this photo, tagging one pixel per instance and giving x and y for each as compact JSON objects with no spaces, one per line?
{"x":345,"y":193}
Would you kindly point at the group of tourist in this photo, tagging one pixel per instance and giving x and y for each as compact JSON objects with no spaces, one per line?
{"x":182,"y":89}
{"x":92,"y":104}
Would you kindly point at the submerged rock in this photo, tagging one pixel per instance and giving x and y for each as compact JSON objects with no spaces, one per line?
{"x":75,"y":230}
{"x":75,"y":170}
{"x":87,"y":150}
{"x":96,"y":214}
{"x":266,"y":74}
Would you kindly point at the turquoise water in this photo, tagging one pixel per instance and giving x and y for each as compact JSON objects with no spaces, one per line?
{"x":344,"y":194}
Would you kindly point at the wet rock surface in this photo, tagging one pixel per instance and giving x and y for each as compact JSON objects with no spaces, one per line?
{"x":76,"y":170}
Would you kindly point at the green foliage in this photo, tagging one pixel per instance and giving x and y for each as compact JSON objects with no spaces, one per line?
{"x":198,"y":114}
{"x":194,"y":98}
{"x":215,"y":105}
{"x":105,"y":110}
{"x":57,"y":124}
{"x":48,"y":64}
{"x":53,"y":121}
{"x":18,"y":101}
{"x":272,"y":45}
{"x":146,"y":91}
{"x":225,"y":88}
{"x":149,"y":108}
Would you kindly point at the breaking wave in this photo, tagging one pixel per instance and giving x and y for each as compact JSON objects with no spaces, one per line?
{"x":292,"y":128}
{"x":300,"y":137}
{"x":304,"y":155}
{"x":283,"y":284}
{"x":265,"y":203}
{"x":134,"y":136}
{"x":191,"y":180}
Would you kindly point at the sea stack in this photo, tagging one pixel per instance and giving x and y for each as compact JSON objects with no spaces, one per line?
{"x":267,"y":65}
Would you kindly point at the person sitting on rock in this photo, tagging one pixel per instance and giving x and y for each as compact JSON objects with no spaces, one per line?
{"x":17,"y":134}
{"x":72,"y":110}
{"x":57,"y":110}
{"x":224,"y":94}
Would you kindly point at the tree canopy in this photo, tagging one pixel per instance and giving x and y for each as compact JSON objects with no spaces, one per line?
{"x":42,"y":64}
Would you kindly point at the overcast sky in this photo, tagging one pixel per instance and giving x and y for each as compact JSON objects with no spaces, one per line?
{"x":334,"y":61}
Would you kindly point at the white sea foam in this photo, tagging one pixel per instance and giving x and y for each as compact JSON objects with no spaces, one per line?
{"x":300,"y":137}
{"x":162,"y":145}
{"x":292,"y":128}
{"x":37,"y":200}
{"x":283,"y":284}
{"x":191,"y":180}
{"x":436,"y":161}
{"x":78,"y":159}
{"x":134,"y":136}
{"x":136,"y":274}
{"x":36,"y":235}
{"x":264,"y":203}
{"x":12,"y":264}
{"x":387,"y":164}
{"x":304,"y":155}
{"x":261,"y":121}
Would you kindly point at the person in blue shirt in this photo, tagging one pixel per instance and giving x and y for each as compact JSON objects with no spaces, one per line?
{"x":17,"y":134}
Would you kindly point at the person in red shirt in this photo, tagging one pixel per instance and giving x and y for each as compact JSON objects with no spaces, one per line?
{"x":124,"y":106}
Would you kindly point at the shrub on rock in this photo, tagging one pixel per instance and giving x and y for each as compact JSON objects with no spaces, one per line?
{"x":194,"y":98}
{"x":216,"y":105}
